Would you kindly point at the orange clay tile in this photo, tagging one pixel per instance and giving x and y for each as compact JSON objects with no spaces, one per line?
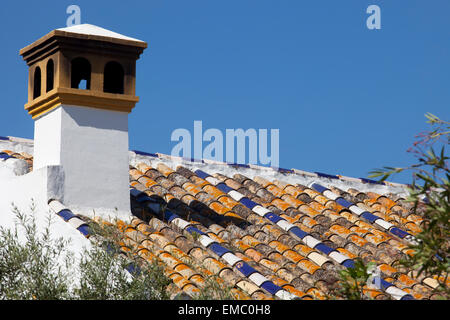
{"x":136,"y":174}
{"x":184,"y":270}
{"x":165,"y":170}
{"x":262,"y":181}
{"x":405,"y":280}
{"x":240,"y":245}
{"x":259,"y":295}
{"x":233,"y":184}
{"x":216,"y":193}
{"x":191,"y":290}
{"x":147,"y":182}
{"x":331,"y":214}
{"x":357,"y":240}
{"x":350,"y":217}
{"x":409,"y":252}
{"x":227,"y":201}
{"x":308,"y":266}
{"x":303,"y":250}
{"x":359,"y":231}
{"x":159,"y":238}
{"x":200,"y":182}
{"x":307,"y":221}
{"x":250,"y":241}
{"x":272,"y":230}
{"x":179,"y":280}
{"x":197,"y":253}
{"x":293,"y":191}
{"x":143,"y":167}
{"x":231,"y":214}
{"x":168,"y":197}
{"x":347,"y":253}
{"x":248,"y":287}
{"x":373,"y":239}
{"x":371,"y":293}
{"x":340,"y":230}
{"x":321,"y":199}
{"x":415,"y":294}
{"x":277,"y":245}
{"x":197,"y":280}
{"x":134,"y":183}
{"x":293,"y":256}
{"x":386,"y":202}
{"x":317,"y":206}
{"x":310,"y":192}
{"x":290,"y":219}
{"x":176,"y":252}
{"x":333,"y":205}
{"x":296,"y":292}
{"x":379,"y":207}
{"x":398,"y":208}
{"x":253,"y":254}
{"x":415,"y":218}
{"x":280,"y":204}
{"x":303,"y":227}
{"x":216,"y":238}
{"x":269,"y":264}
{"x":413,"y":228}
{"x":285,"y":274}
{"x":191,"y":188}
{"x":387,"y":269}
{"x":219,"y":208}
{"x":373,"y":195}
{"x":213,"y":265}
{"x":277,"y":192}
{"x":239,"y":295}
{"x":170,"y":260}
{"x":187,"y":198}
{"x":363,"y":225}
{"x":308,"y":210}
{"x":292,"y":201}
{"x":380,"y":234}
{"x":316,"y":294}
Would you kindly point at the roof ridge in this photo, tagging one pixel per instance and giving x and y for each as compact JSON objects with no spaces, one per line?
{"x":267,"y":168}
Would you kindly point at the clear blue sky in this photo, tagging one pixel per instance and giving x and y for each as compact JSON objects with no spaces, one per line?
{"x":346,"y":99}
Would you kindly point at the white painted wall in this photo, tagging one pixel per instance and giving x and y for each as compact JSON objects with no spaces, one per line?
{"x":47,"y":139}
{"x":91,"y":145}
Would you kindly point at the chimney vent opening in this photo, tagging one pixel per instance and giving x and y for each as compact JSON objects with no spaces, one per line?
{"x":113,"y":78}
{"x":81,"y":74}
{"x":37,"y":83}
{"x":50,"y":74}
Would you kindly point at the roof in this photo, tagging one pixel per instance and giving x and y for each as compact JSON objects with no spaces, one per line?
{"x":269,"y":233}
{"x":89,"y":29}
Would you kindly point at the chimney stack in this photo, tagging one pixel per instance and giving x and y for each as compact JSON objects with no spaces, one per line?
{"x":81,"y":88}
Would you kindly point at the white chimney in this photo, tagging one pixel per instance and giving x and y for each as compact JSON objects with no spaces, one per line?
{"x":81,"y":90}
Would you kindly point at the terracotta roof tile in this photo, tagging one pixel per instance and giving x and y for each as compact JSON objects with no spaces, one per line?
{"x":266,"y":238}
